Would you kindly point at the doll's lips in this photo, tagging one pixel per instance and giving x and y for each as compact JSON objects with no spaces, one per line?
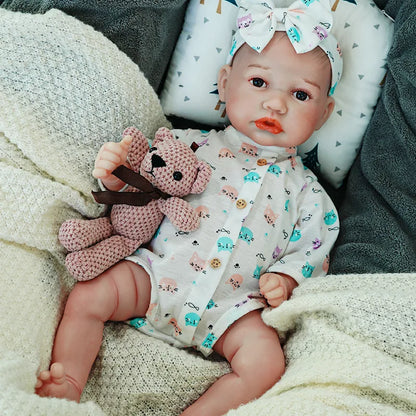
{"x":269,"y":124}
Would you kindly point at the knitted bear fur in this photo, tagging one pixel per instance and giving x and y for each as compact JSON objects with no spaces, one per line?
{"x":173,"y":168}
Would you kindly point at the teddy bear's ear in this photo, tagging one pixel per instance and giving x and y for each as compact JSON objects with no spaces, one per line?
{"x":202,"y":178}
{"x":163,"y":133}
{"x":138,"y":147}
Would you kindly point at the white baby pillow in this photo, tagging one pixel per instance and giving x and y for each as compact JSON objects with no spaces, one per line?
{"x":364,"y":33}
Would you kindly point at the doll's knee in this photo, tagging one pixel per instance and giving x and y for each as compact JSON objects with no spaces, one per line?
{"x":268,"y":361}
{"x":90,"y":299}
{"x":258,"y":356}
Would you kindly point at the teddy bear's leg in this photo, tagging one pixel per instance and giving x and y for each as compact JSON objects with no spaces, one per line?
{"x":77,"y":234}
{"x":90,"y":262}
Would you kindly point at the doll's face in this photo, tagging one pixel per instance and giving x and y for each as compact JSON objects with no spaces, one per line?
{"x":277,"y":97}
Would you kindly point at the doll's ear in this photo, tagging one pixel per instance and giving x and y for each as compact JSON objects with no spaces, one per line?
{"x":223,"y":75}
{"x":202,"y":179}
{"x":330,"y":104}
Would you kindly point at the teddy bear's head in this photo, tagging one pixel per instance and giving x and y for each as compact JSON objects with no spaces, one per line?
{"x":173,"y":167}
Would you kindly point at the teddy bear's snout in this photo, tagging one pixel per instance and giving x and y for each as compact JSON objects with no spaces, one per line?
{"x":157,"y":162}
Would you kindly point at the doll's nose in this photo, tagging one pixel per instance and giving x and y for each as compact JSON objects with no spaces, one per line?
{"x":275,"y":102}
{"x":157,"y":162}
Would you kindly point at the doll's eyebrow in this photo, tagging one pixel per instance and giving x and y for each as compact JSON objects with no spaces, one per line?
{"x":258,"y":66}
{"x":312,"y":83}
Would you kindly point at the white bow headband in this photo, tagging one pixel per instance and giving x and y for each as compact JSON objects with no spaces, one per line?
{"x":306,"y":22}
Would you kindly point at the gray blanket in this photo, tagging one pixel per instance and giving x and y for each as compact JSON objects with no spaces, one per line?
{"x":378,"y":215}
{"x":127,"y":23}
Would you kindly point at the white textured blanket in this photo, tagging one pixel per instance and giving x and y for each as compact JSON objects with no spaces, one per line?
{"x":350,"y":340}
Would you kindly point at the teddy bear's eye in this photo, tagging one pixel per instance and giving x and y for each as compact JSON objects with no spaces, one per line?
{"x":152,"y":149}
{"x":177,"y":176}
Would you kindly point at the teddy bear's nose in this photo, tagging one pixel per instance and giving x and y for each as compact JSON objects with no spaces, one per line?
{"x":157,"y":161}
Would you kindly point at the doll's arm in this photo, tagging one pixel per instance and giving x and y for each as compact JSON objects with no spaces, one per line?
{"x":110,"y":156}
{"x":276,"y":288}
{"x":180,"y":213}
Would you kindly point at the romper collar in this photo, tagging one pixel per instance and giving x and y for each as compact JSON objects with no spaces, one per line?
{"x":236,"y":140}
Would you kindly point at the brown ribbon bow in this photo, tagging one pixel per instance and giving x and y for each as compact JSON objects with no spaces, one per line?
{"x":147,"y":194}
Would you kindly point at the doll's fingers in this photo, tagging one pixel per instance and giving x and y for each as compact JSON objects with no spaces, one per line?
{"x":111,"y":147}
{"x":119,"y":149}
{"x":267,"y":287}
{"x":124,"y":147}
{"x":106,"y":164}
{"x":269,"y":282}
{"x":126,"y":142}
{"x":108,"y":156}
{"x":264,"y":279}
{"x":275,"y":293}
{"x":103,"y":169}
{"x":103,"y":150}
{"x":99,"y":173}
{"x":275,"y":302}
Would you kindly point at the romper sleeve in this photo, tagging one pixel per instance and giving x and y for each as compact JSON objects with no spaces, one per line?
{"x":313,"y":236}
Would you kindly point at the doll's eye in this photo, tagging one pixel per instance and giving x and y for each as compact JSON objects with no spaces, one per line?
{"x":301,"y":95}
{"x":177,"y":175}
{"x":258,"y":82}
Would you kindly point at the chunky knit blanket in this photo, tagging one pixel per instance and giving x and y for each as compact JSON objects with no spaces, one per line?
{"x":130,"y":24}
{"x":350,"y":340}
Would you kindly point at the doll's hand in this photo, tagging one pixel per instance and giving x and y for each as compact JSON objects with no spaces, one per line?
{"x":276,"y":288}
{"x":111,"y":156}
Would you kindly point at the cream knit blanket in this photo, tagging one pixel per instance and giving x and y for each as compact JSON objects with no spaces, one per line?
{"x":64,"y":90}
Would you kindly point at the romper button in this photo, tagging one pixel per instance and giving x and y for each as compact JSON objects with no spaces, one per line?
{"x":241,"y":203}
{"x":261,"y":162}
{"x":215,"y":263}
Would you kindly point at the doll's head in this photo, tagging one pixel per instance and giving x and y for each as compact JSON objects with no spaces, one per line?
{"x":275,"y":94}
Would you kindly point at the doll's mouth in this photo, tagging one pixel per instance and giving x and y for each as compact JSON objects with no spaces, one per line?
{"x":269,"y":124}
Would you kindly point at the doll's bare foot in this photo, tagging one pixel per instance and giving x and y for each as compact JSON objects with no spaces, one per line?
{"x":55,"y":383}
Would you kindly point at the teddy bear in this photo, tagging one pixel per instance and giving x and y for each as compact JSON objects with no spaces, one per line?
{"x":160,"y":176}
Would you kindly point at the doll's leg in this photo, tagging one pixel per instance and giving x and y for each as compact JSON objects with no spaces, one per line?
{"x":257,"y":361}
{"x":120,"y":293}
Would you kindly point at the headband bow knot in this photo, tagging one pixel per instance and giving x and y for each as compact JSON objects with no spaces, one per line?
{"x":306,"y":22}
{"x":305,"y":25}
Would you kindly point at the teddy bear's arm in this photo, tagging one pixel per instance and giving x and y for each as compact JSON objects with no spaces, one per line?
{"x":180,"y":213}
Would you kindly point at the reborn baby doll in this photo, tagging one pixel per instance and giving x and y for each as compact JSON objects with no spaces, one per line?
{"x":266,"y":223}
